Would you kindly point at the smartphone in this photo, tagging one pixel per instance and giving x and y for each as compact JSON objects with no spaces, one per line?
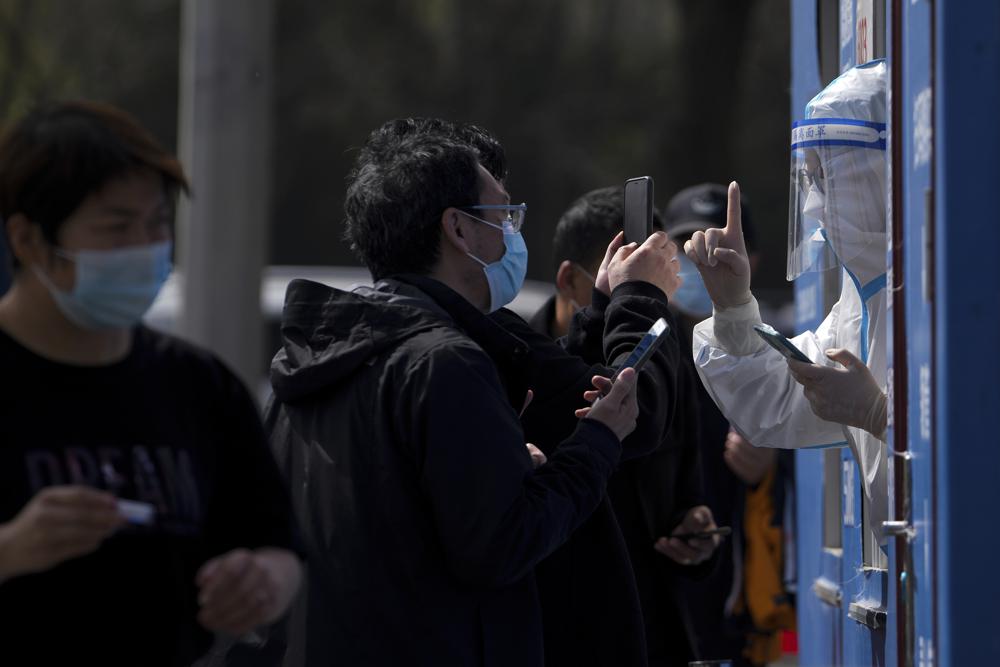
{"x":638,"y":209}
{"x":641,"y":353}
{"x":722,"y":531}
{"x":646,"y":347}
{"x":134,"y":511}
{"x":784,"y":346}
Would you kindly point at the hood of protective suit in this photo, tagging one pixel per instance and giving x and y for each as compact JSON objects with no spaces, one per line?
{"x":838,"y":202}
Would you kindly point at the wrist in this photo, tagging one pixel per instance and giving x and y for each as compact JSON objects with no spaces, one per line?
{"x":878,"y":420}
{"x":734,"y":302}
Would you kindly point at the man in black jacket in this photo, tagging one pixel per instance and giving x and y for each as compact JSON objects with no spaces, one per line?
{"x":591,"y":612}
{"x":395,"y":421}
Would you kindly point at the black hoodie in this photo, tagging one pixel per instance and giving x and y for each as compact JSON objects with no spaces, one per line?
{"x":423,"y":519}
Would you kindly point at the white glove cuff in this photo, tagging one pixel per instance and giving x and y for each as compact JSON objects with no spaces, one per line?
{"x":733,"y":328}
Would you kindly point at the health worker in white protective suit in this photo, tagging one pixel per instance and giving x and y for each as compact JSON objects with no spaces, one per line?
{"x":837,"y":217}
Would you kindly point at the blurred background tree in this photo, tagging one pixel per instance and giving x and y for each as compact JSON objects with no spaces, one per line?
{"x":583,"y":93}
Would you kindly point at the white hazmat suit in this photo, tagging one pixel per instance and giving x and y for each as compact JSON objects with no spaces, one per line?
{"x":838,"y":211}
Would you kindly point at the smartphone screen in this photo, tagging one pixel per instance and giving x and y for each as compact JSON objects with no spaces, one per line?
{"x":646,"y":347}
{"x":638,"y":222}
{"x":642,"y":352}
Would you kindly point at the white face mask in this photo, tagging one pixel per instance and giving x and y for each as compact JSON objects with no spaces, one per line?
{"x":113,"y":288}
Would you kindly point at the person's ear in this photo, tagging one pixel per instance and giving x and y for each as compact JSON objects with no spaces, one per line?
{"x":455,"y":229}
{"x":26,"y":241}
{"x":566,"y":278}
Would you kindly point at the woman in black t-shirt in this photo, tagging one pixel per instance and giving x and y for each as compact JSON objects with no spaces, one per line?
{"x":140,"y":510}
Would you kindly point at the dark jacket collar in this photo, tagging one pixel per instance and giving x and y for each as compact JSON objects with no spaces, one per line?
{"x":511,"y":355}
{"x":542,"y":320}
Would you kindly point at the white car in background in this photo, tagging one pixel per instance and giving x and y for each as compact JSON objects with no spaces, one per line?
{"x":165,"y":311}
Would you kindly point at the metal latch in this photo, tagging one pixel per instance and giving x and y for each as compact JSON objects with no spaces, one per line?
{"x":828,"y":592}
{"x":873,"y":617}
{"x":899,"y":529}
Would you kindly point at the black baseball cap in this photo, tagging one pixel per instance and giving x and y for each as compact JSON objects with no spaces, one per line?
{"x":701,"y":207}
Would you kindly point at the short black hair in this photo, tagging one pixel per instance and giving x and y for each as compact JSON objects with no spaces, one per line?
{"x":62,"y":152}
{"x":396,"y":194}
{"x":588,"y":225}
{"x":487,"y":147}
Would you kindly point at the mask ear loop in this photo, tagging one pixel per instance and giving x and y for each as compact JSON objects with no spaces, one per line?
{"x":572,"y":302}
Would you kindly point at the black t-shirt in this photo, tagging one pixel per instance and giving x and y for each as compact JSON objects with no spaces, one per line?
{"x":168,"y":425}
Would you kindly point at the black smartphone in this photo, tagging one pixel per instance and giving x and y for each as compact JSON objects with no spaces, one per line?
{"x":638,"y":208}
{"x":722,"y":531}
{"x":784,"y":346}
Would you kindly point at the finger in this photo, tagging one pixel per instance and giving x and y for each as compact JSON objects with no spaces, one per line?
{"x":226,"y":576}
{"x":657,"y":240}
{"x":712,"y":237}
{"x":697,"y":242}
{"x":739,"y":457}
{"x":737,"y":440}
{"x":622,"y":387}
{"x":844,"y":358}
{"x":207,"y":571}
{"x":681,"y":551}
{"x":81,"y":497}
{"x":601,"y":383}
{"x":591,"y":395}
{"x":701,"y":514}
{"x":734,"y":217}
{"x":806,"y":373}
{"x":703,"y":548}
{"x":76,"y":533}
{"x":581,"y":413}
{"x":245,"y":591}
{"x":537,"y":456}
{"x":240,"y":622}
{"x":664,"y":547}
{"x":624,"y":252}
{"x":101,"y":518}
{"x":613,"y":247}
{"x":736,"y":262}
{"x":72,"y":546}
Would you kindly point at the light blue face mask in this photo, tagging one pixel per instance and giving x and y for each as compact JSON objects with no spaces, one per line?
{"x":114,"y":288}
{"x":691,"y":297}
{"x":506,"y":275}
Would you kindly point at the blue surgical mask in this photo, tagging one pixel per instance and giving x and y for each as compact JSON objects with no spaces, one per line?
{"x":506,"y":275}
{"x":691,"y":297}
{"x":113,"y":288}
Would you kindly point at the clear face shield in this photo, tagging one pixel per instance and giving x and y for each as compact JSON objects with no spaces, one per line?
{"x":837,"y":193}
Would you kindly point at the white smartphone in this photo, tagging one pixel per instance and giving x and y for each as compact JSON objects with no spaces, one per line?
{"x":136,"y":512}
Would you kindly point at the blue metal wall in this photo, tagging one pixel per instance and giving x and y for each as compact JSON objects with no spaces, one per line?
{"x":949,"y":171}
{"x":966,"y":161}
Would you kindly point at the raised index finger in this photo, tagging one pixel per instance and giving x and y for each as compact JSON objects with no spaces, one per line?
{"x":734,"y":214}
